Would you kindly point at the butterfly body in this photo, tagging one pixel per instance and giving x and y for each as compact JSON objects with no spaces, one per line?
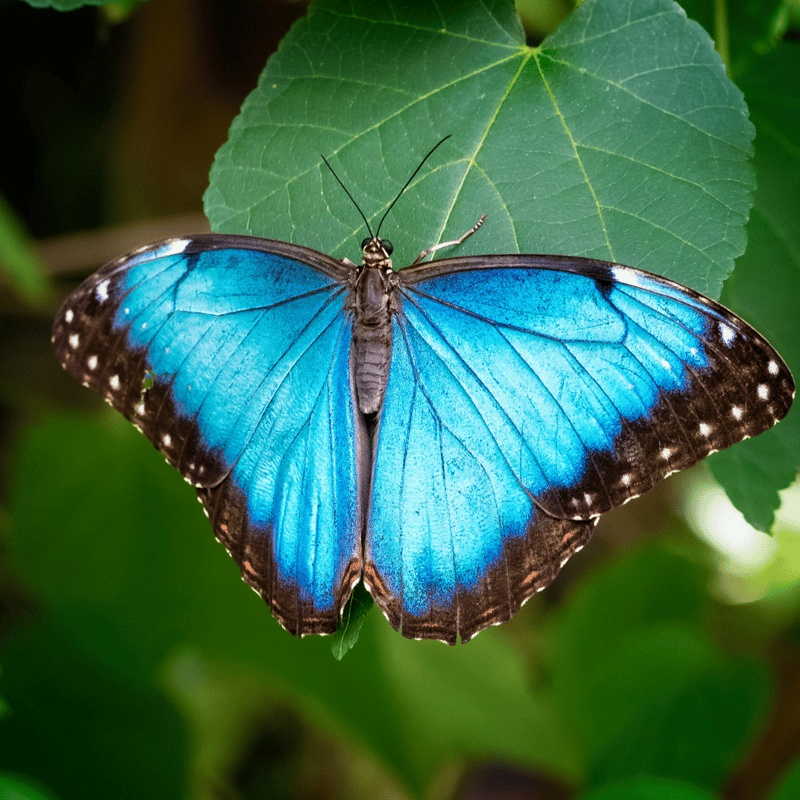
{"x":448,"y":433}
{"x":373,"y":303}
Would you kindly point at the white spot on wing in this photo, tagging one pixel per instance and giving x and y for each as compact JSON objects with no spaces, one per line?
{"x":705,"y":429}
{"x":625,"y":275}
{"x":727,"y":333}
{"x":101,"y":292}
{"x":91,"y":362}
{"x":666,"y":453}
{"x":173,"y":248}
{"x":74,"y":340}
{"x":773,"y":368}
{"x":68,"y":315}
{"x":736,"y":412}
{"x":166,"y":440}
{"x":113,"y":382}
{"x":763,"y":391}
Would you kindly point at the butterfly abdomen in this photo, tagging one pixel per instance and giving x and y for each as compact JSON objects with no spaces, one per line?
{"x":372,"y":340}
{"x":372,"y":348}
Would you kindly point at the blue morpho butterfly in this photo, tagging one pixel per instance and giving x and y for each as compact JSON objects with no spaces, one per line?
{"x":449,"y":433}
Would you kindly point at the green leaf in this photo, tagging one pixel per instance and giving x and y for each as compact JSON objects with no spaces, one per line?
{"x":620,"y":137}
{"x":691,"y":711}
{"x":449,"y":703}
{"x":20,"y":263}
{"x":80,"y":730}
{"x":753,"y":473}
{"x":13,"y":787}
{"x":120,"y":8}
{"x":749,"y":28}
{"x":762,"y":286}
{"x":639,"y":682}
{"x":645,"y":788}
{"x":115,"y":519}
{"x":646,"y":587}
{"x":788,"y":787}
{"x":353,"y":616}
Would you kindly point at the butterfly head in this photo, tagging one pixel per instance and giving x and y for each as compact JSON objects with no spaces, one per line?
{"x":377,"y":252}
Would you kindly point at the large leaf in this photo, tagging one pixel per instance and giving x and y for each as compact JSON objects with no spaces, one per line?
{"x":620,"y":137}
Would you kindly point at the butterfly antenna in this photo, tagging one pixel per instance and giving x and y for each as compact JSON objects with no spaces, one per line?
{"x":351,"y":196}
{"x":414,"y":175}
{"x":391,"y":205}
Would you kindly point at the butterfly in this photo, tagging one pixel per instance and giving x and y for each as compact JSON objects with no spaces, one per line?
{"x":448,"y":433}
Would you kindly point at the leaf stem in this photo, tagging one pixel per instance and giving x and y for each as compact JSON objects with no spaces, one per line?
{"x":721,"y":40}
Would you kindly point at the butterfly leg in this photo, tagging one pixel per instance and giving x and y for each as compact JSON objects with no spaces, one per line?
{"x":436,"y":247}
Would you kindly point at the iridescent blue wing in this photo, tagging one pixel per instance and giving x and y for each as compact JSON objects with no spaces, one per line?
{"x":231,"y":354}
{"x":528,"y":395}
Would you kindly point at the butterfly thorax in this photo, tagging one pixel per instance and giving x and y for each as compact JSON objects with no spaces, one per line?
{"x":372,"y":328}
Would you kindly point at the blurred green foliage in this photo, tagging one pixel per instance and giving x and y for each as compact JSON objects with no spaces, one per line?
{"x":134,"y":662}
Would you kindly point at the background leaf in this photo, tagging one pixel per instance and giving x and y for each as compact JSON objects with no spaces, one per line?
{"x":789,"y":786}
{"x":652,"y":172}
{"x":15,"y":788}
{"x":755,"y":470}
{"x":20,"y":263}
{"x":662,"y":700}
{"x":129,"y":738}
{"x":642,"y":788}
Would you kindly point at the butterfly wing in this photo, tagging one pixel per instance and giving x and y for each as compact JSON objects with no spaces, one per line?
{"x":231,"y":354}
{"x":527,"y":395}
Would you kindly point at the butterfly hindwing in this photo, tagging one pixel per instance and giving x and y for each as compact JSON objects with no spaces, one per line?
{"x":527,"y":395}
{"x":439,"y":556}
{"x":232,"y":355}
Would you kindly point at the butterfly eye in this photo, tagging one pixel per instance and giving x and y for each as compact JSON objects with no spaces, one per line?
{"x":365,"y":242}
{"x":387,"y":246}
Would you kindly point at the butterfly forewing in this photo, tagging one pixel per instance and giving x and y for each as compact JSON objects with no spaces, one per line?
{"x":231,"y":354}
